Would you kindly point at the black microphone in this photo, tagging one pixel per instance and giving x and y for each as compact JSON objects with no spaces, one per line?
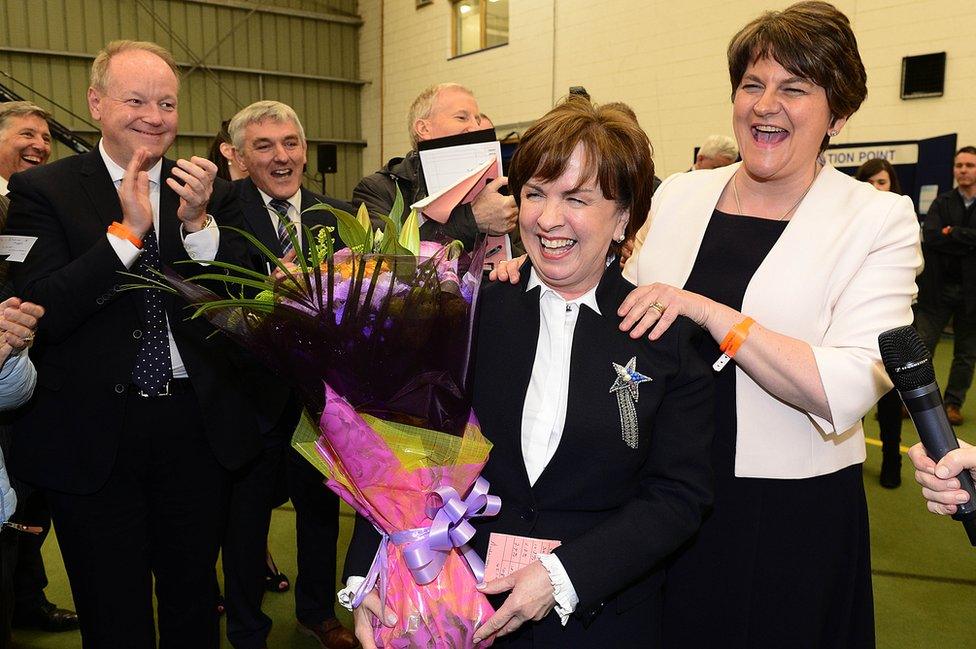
{"x":909,"y":364}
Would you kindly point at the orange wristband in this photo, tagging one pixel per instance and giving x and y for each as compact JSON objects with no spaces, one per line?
{"x":122,"y":232}
{"x":736,"y":336}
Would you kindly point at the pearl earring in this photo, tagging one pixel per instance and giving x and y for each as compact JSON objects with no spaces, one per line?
{"x":832,"y":133}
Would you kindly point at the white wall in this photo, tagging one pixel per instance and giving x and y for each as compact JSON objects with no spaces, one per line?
{"x":665,"y":58}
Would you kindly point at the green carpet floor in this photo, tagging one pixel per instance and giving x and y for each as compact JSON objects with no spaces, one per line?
{"x":924,"y":568}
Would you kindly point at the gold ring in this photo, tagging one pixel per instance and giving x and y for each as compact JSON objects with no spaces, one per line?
{"x":657,"y":306}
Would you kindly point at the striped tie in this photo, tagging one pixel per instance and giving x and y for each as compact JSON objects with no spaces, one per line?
{"x":284,"y":241}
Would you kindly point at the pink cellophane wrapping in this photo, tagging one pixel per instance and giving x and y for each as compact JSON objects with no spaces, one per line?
{"x":386,"y":471}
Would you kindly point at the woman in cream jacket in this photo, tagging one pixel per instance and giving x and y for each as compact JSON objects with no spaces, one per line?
{"x":795,"y":269}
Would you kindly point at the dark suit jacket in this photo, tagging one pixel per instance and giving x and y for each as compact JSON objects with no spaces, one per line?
{"x":274,"y":397}
{"x":4,"y":207}
{"x":66,"y":438}
{"x":942,"y":252}
{"x":378,"y":191}
{"x":259,"y":222}
{"x":619,"y":512}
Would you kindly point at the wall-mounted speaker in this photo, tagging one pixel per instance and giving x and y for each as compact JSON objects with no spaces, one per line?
{"x":923,"y":76}
{"x":328,"y":158}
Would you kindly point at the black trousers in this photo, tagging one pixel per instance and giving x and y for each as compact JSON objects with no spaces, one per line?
{"x":252,"y":497}
{"x":889,"y":422}
{"x":931,"y":319}
{"x":8,"y":559}
{"x":317,"y":531}
{"x":30,"y":579}
{"x":159,"y":515}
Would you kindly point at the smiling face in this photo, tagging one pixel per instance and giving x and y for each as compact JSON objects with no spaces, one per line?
{"x":779,"y":120}
{"x":454,"y":112}
{"x":567,"y":227}
{"x":274,"y":155}
{"x":137,"y":106}
{"x":25,"y":142}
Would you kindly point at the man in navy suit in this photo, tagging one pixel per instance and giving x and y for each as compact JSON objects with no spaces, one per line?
{"x":137,"y":416}
{"x":270,"y":142}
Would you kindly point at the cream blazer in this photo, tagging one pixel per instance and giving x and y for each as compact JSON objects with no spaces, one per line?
{"x":842,"y":272}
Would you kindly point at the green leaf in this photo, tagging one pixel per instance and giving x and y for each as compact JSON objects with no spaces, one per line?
{"x":261,"y":285}
{"x":245,"y":272}
{"x":362,"y":215}
{"x":396,"y":212}
{"x":351,"y":231}
{"x":257,"y":305}
{"x":410,"y":234}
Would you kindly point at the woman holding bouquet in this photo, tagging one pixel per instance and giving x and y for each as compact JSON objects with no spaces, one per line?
{"x":600,"y":441}
{"x":798,"y":268}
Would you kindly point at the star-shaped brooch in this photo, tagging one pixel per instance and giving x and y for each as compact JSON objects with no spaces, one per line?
{"x":628,"y":378}
{"x":625,"y":387}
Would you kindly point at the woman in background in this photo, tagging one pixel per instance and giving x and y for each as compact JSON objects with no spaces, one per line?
{"x":881,"y":174}
{"x":223,"y":154}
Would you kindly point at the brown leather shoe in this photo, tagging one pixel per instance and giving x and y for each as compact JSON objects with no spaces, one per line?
{"x":330,"y":634}
{"x":953,"y":415}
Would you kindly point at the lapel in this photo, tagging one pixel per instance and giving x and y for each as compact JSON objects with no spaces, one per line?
{"x":100,"y":189}
{"x":256,"y":215}
{"x":169,"y":236}
{"x":685,"y":242}
{"x":315,"y":217}
{"x":518,"y":310}
{"x":818,"y":221}
{"x":590,"y":337}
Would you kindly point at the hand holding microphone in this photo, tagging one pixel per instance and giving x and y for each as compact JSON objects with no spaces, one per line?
{"x":939,"y":484}
{"x":909,"y":365}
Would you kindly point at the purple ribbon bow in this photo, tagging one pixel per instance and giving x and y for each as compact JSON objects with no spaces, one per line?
{"x":450,"y":528}
{"x":425,"y":549}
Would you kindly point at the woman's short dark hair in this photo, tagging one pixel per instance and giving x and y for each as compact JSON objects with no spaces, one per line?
{"x":215,"y":156}
{"x":812,"y":40}
{"x":618,"y":155}
{"x":876,"y":166}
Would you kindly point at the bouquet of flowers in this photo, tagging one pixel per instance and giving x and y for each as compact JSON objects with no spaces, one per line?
{"x":377,"y":338}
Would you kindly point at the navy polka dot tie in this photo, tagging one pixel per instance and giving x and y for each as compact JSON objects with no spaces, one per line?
{"x":154,"y":367}
{"x":284,"y":241}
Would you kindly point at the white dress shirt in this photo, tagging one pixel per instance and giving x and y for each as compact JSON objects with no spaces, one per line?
{"x":200,"y":246}
{"x":544,"y":411}
{"x":3,"y":186}
{"x":294,"y":212}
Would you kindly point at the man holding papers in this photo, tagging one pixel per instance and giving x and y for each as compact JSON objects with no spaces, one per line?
{"x":439,"y":111}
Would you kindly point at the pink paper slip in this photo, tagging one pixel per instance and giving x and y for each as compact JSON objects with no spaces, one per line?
{"x":508,"y":553}
{"x":439,"y":205}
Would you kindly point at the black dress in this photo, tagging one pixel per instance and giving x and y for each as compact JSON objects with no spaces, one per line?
{"x":779,"y":563}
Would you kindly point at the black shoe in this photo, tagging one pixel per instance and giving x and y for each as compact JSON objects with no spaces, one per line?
{"x":274,"y":580}
{"x":891,"y":471}
{"x":47,"y":617}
